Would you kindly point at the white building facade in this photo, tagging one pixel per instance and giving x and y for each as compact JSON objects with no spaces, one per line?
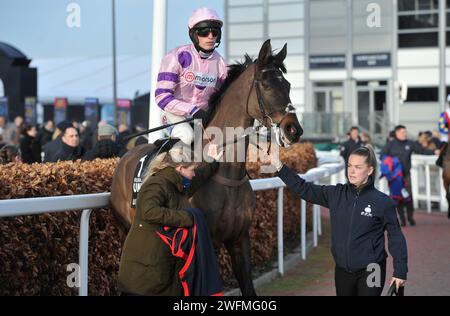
{"x":351,"y":61}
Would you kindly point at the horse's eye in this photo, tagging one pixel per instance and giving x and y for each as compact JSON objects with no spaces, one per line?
{"x":266,"y":85}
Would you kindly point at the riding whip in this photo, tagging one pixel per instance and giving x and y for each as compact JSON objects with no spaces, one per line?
{"x":156,"y":129}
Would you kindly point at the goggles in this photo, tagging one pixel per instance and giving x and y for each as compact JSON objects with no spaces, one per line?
{"x":204,"y":31}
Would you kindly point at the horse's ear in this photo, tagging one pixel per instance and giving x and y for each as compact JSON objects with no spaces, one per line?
{"x":280,"y":57}
{"x":265,"y":53}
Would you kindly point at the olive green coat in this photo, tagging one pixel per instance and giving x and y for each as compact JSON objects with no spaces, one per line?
{"x":147,"y":266}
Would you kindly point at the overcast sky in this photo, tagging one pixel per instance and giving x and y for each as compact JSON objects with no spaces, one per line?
{"x":39,"y":28}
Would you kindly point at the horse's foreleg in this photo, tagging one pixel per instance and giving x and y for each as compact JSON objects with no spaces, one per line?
{"x":241,"y":263}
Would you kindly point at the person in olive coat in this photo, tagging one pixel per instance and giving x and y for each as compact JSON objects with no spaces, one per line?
{"x":147,"y":266}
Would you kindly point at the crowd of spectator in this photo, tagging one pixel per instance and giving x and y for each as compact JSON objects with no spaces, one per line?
{"x":26,"y":143}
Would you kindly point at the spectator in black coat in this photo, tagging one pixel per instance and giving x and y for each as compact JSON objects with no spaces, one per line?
{"x":29,"y":145}
{"x":86,"y":135}
{"x":70,"y":148}
{"x":121,"y":140}
{"x":352,"y":144}
{"x":106,"y":146}
{"x":51,"y":148}
{"x":402,"y":148}
{"x":45,"y":134}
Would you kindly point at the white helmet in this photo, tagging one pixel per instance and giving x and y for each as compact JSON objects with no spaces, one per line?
{"x":204,"y":15}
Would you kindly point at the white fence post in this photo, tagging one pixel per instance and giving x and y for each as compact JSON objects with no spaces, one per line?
{"x":84,"y":252}
{"x":342,"y":176}
{"x":334,"y":178}
{"x":303,"y":228}
{"x":319,"y":219}
{"x":443,"y":203}
{"x":280,"y":232}
{"x":315,"y":224}
{"x":415,"y":185}
{"x":428,"y":187}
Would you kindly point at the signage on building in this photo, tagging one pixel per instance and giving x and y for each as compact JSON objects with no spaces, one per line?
{"x":2,"y":88}
{"x":123,"y":111}
{"x":107,"y":113}
{"x":60,"y":109}
{"x":4,"y":107}
{"x":30,"y":110}
{"x":371,"y":60}
{"x":327,"y":61}
{"x":91,"y":110}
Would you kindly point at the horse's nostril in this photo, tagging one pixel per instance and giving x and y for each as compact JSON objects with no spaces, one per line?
{"x":290,"y":129}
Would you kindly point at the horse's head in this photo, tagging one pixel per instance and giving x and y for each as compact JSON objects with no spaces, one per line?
{"x":273,"y":105}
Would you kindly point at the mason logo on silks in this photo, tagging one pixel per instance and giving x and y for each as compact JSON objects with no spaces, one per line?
{"x":199,"y":79}
{"x":367,"y":211}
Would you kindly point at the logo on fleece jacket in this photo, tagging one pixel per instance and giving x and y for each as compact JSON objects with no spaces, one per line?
{"x":367,"y":211}
{"x":199,"y":79}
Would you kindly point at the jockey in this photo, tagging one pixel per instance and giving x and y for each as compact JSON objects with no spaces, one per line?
{"x":444,"y":124}
{"x":190,"y":74}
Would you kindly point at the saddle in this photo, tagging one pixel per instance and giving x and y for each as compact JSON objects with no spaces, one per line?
{"x":161,"y":146}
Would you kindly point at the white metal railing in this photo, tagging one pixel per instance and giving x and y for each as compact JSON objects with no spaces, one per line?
{"x":426,"y":182}
{"x":36,"y":206}
{"x":88,"y":202}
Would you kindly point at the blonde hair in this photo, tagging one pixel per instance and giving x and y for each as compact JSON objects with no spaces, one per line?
{"x":177,"y":156}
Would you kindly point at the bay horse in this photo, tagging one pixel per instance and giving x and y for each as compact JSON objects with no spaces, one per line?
{"x":253,"y":90}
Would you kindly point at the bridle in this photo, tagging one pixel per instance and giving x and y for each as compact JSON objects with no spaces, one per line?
{"x":280,"y":137}
{"x":256,"y":84}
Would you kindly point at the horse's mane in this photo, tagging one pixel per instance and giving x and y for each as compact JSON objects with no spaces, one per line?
{"x":234,"y":71}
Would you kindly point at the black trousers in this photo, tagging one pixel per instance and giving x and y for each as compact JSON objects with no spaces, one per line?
{"x":356,"y":283}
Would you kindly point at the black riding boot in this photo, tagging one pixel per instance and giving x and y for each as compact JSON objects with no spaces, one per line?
{"x":410,"y":212}
{"x":401,"y":214}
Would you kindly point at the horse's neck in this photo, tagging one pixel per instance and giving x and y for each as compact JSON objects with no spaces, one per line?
{"x":232,"y":108}
{"x":232,"y":112}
